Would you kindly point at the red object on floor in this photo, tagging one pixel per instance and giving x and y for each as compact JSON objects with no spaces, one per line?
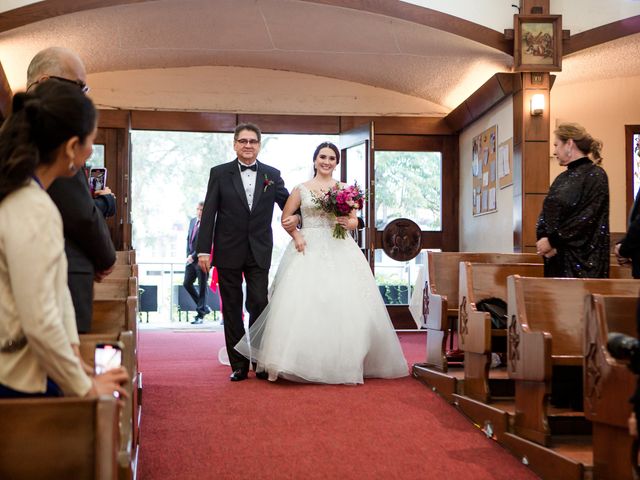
{"x":196,"y":424}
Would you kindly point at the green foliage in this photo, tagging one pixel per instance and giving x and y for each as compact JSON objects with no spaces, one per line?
{"x":169,"y":177}
{"x":409,"y":184}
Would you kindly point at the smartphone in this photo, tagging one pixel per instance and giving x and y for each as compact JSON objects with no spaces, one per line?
{"x":107,"y":357}
{"x":97,"y":179}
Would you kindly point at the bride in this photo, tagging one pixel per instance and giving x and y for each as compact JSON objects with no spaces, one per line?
{"x":326,"y":321}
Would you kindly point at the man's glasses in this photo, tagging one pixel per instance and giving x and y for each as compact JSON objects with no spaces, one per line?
{"x":79,"y":83}
{"x":248,"y":141}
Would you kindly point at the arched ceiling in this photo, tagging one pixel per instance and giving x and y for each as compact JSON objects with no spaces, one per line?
{"x":402,"y":49}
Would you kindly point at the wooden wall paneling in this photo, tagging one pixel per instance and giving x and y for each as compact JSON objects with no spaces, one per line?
{"x":183,"y":121}
{"x":531,"y":158}
{"x":114,"y":118}
{"x":123,"y":202}
{"x":408,"y":143}
{"x":536,"y":168}
{"x":450,"y":194}
{"x":399,"y":125}
{"x":309,"y":124}
{"x":532,"y":206}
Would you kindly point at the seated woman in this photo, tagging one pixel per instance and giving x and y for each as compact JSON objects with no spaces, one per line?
{"x":50,"y":134}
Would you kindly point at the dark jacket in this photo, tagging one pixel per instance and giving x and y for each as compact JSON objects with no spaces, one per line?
{"x":230,"y":225}
{"x":630,"y":244}
{"x":88,"y":243}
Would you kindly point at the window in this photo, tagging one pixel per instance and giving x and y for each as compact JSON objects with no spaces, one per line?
{"x":409,"y":185}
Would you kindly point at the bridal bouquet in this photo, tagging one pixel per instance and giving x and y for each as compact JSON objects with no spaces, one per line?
{"x":340,"y":201}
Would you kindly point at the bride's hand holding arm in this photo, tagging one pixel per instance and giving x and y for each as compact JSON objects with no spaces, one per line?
{"x":349,"y":222}
{"x":292,"y":206}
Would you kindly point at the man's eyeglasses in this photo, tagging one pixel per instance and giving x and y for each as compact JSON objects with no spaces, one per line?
{"x":83,"y":86}
{"x":248,"y":141}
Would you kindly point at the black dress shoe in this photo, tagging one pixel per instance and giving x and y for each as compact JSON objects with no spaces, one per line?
{"x":238,"y":375}
{"x":262,"y":375}
{"x":197,"y":321}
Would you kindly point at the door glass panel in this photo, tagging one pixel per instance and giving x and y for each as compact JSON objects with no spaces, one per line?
{"x":96,"y":159}
{"x":409,"y":185}
{"x":395,"y":279}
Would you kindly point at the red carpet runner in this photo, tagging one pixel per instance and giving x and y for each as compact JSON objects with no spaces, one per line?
{"x":196,"y":424}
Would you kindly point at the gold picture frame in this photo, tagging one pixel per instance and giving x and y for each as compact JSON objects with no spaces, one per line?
{"x":537,"y":43}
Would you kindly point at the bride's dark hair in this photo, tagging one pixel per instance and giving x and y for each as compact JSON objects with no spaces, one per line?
{"x":320,"y":147}
{"x":41,"y":121}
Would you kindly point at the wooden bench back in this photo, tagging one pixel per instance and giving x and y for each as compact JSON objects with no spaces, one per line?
{"x":114,"y":316}
{"x":115,"y":288}
{"x":480,"y":281}
{"x":121,"y":271}
{"x":620,"y":271}
{"x":59,"y":438}
{"x":441,"y":274}
{"x":126,"y":257}
{"x":555,"y":306}
{"x":484,"y":280}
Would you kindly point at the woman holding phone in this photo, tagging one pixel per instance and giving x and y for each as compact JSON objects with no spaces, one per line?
{"x":49,"y":135}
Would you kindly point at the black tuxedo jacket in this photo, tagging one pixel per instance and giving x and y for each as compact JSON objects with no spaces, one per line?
{"x":227,"y":221}
{"x":630,"y":244}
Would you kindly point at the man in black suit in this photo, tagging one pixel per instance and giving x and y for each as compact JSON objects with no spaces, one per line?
{"x":238,"y":209}
{"x":628,"y":249}
{"x":90,"y":251}
{"x":193,"y":271}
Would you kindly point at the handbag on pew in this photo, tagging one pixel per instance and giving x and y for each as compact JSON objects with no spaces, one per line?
{"x":497,"y":308}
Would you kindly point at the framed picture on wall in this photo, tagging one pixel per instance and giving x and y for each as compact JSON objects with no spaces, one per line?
{"x":538,"y":43}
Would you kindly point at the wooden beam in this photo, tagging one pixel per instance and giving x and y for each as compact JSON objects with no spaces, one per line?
{"x":602,"y":34}
{"x":6,"y":96}
{"x":494,"y":90}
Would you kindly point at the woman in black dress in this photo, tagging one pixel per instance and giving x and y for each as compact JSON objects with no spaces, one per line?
{"x":573,"y":227}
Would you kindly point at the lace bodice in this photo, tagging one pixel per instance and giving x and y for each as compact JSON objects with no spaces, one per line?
{"x":312,"y":216}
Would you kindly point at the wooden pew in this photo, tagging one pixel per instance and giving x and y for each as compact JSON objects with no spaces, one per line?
{"x":59,"y":438}
{"x":130,"y":414}
{"x":546,"y":330}
{"x":480,"y":281}
{"x":441,"y":296}
{"x":608,"y":384}
{"x":127,"y":257}
{"x":121,"y":271}
{"x":115,"y":305}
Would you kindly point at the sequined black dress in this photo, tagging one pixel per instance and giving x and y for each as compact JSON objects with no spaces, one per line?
{"x":575,"y":219}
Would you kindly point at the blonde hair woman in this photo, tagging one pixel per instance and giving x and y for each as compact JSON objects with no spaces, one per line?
{"x":573,"y":227}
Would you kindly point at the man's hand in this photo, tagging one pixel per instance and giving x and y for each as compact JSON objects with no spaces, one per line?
{"x":290,"y":223}
{"x":621,"y":260}
{"x":205,"y":263}
{"x":99,"y":276}
{"x":189,"y":260}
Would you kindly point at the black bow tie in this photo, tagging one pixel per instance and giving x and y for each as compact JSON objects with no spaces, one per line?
{"x":253,"y":167}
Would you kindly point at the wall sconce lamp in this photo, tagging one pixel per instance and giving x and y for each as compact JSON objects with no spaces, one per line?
{"x":537,"y":104}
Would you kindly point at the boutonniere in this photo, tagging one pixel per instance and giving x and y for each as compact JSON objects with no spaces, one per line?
{"x":266,"y":183}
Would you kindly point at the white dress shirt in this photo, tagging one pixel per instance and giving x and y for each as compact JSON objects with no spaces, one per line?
{"x":249,"y":178}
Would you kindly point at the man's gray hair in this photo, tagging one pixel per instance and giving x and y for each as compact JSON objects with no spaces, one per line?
{"x":49,"y":61}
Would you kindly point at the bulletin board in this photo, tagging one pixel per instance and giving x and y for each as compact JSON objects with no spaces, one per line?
{"x":505,"y":163}
{"x":484,"y":171}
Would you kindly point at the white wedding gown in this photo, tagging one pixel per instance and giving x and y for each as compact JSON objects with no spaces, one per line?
{"x":326,"y":321}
